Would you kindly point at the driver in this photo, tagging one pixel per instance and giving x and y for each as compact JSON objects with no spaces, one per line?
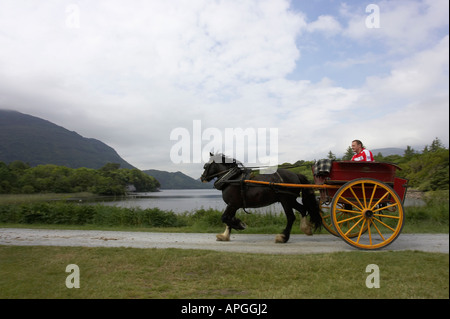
{"x":362,"y":154}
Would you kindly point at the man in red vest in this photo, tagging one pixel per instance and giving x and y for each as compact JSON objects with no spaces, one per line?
{"x":362,"y":154}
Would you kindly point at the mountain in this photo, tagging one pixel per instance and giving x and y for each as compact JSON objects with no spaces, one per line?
{"x":176,"y":180}
{"x":36,"y":141}
{"x":388,"y":151}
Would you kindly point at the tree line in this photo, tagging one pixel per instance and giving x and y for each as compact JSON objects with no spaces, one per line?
{"x":19,"y":178}
{"x":426,"y":171}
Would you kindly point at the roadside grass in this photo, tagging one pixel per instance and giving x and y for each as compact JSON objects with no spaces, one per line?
{"x":39,"y":272}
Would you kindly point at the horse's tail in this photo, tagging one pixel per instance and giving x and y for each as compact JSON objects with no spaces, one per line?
{"x":310,"y":202}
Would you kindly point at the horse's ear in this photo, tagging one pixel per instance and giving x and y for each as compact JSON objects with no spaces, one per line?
{"x":211,"y":154}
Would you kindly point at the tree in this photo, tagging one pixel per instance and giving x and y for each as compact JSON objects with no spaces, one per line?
{"x":409,"y":152}
{"x":108,"y":167}
{"x":331,"y":156}
{"x":436,"y":145}
{"x":18,"y":166}
{"x":348,"y":154}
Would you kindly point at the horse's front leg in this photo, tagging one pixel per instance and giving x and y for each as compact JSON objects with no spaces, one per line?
{"x":285,"y":235}
{"x":225,"y":236}
{"x":228,"y":217}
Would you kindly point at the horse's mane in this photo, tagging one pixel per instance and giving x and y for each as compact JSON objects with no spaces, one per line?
{"x":224,"y":159}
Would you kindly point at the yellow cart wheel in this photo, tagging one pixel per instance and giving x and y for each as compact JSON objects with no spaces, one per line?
{"x":373,"y":210}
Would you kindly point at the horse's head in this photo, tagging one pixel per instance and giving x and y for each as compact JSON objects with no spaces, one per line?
{"x":218,"y":164}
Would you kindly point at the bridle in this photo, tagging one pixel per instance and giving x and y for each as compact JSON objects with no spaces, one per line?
{"x":206,"y":167}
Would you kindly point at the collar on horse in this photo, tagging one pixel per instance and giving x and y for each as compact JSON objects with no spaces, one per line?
{"x":226,"y":180}
{"x":223,"y":181}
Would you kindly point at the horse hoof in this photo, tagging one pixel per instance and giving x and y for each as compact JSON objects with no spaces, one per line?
{"x":307,"y":231}
{"x":306,"y":227}
{"x":221,"y":237}
{"x":280,"y":239}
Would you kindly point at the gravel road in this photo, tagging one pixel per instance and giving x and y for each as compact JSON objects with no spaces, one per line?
{"x":244,"y":243}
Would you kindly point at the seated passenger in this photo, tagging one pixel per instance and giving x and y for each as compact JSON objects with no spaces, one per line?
{"x":362,"y":154}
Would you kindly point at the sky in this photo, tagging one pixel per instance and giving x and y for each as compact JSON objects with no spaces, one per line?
{"x":166,"y":82}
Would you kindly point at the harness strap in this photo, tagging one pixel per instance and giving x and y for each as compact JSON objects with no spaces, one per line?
{"x":222,"y":182}
{"x":281,"y":178}
{"x":245,"y":175}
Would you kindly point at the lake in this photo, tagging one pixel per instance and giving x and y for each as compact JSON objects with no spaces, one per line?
{"x":176,"y":200}
{"x":182,"y":200}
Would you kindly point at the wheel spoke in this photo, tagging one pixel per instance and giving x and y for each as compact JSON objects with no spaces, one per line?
{"x":348,"y":231}
{"x":385,"y":207}
{"x":348,"y":219}
{"x":378,"y":231}
{"x":345,"y":199}
{"x":379,"y":201}
{"x":364,"y":195}
{"x":387,"y":216}
{"x":373,"y":194}
{"x":356,"y":197}
{"x":384,"y":224}
{"x":360,"y":231}
{"x":348,"y":211}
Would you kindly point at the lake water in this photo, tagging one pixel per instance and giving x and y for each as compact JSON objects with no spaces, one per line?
{"x":175,"y":200}
{"x":180,"y":201}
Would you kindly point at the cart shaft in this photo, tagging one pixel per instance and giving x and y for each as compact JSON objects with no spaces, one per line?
{"x":292,"y":185}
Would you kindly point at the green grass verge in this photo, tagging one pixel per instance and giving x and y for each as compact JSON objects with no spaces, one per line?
{"x":40,"y":272}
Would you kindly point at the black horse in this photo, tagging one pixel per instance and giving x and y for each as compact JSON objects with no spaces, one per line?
{"x":237,"y":194}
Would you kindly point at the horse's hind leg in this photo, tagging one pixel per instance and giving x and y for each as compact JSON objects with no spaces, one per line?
{"x":305,"y":224}
{"x":286,"y":233}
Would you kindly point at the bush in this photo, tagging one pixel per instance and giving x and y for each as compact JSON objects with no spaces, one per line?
{"x":204,"y":218}
{"x":434,"y":213}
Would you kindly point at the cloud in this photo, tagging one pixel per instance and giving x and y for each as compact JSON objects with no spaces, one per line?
{"x":404,"y":25}
{"x":130,"y":73}
{"x":418,"y":77}
{"x":325,"y":24}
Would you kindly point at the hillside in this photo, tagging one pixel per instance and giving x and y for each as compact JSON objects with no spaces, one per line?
{"x":388,"y":151}
{"x":36,"y":141}
{"x":176,"y":180}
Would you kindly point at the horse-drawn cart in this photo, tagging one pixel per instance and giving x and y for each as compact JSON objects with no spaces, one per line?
{"x":361,"y":202}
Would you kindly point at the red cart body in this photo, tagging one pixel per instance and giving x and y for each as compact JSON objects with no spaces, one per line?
{"x":345,"y":171}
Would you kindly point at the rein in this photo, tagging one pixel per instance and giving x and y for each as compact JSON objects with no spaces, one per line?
{"x":219,"y":173}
